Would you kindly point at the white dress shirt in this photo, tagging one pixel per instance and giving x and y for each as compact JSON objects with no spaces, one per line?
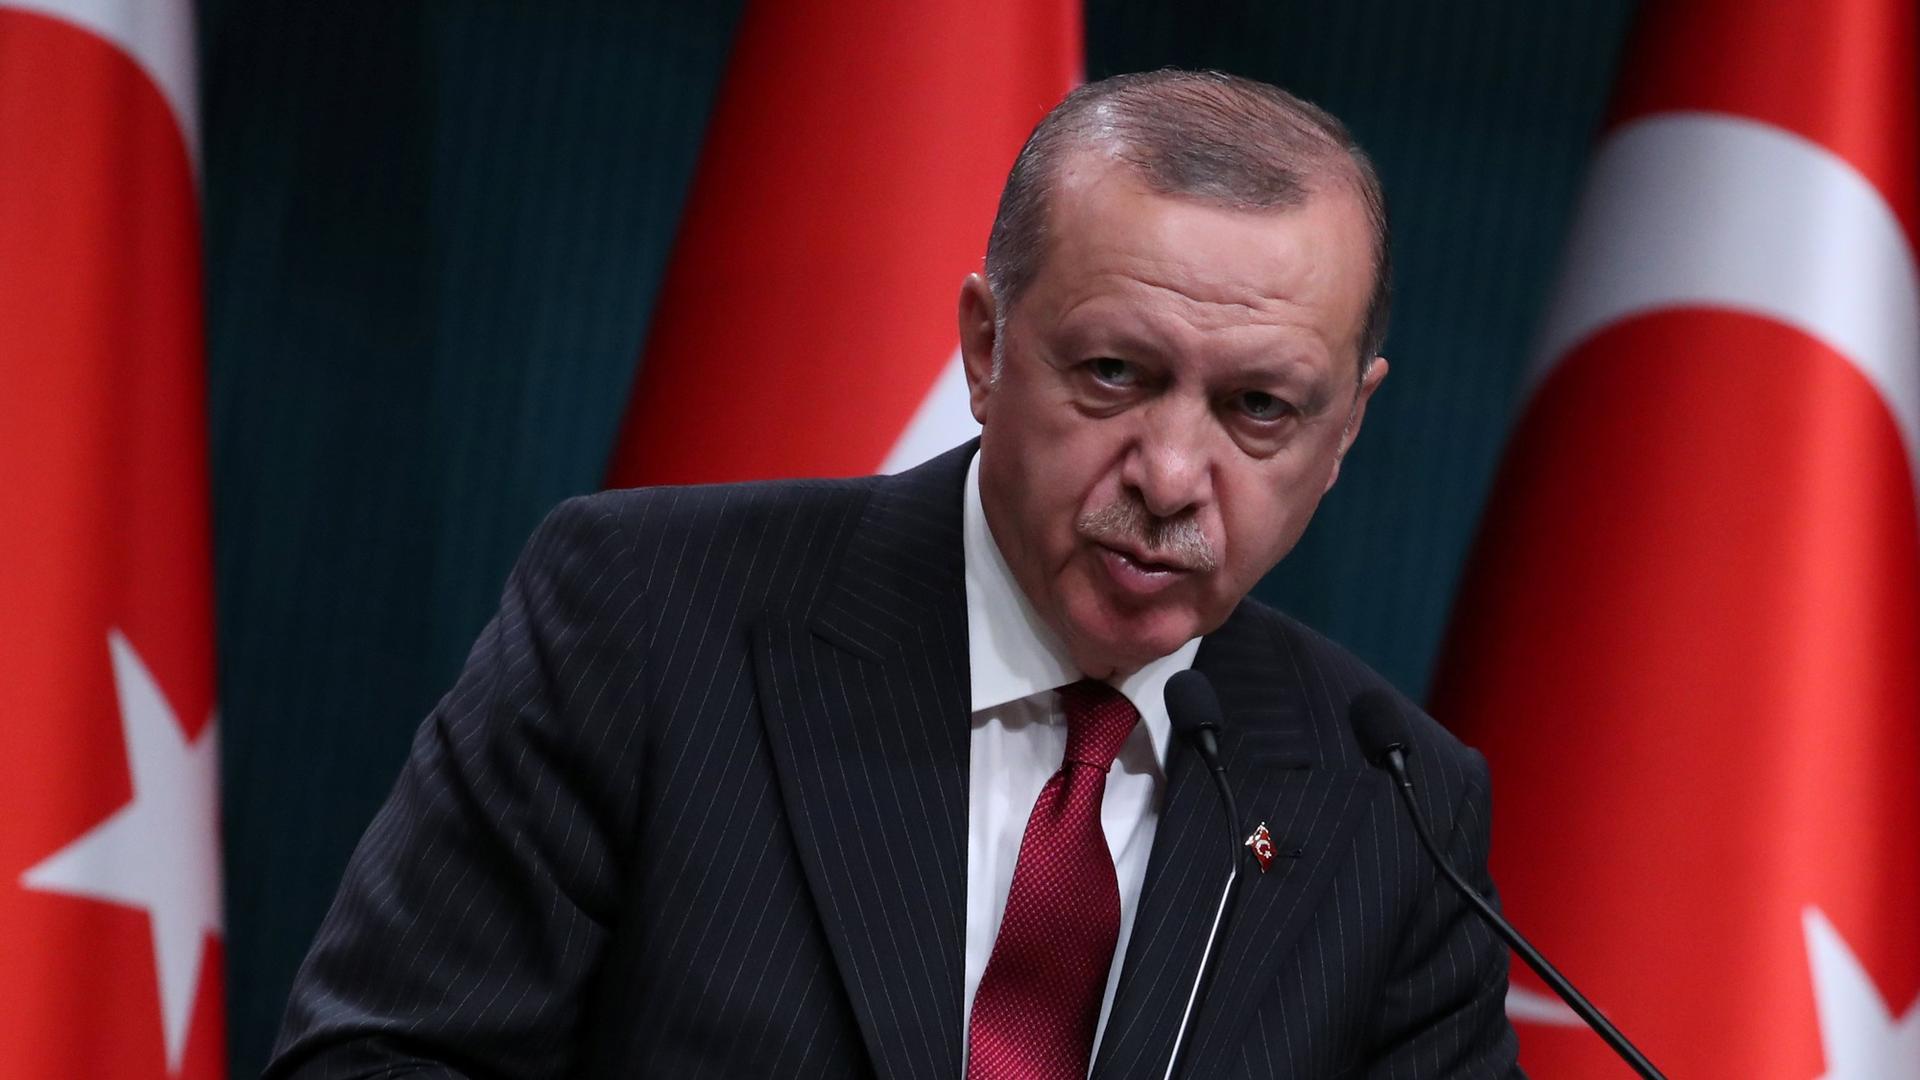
{"x":1020,"y":737}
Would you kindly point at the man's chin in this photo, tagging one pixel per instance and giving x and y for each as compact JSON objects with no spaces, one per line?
{"x":1109,"y":642}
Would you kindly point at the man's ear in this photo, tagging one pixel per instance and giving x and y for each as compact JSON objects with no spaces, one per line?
{"x":1376,"y":374}
{"x":977,"y":332}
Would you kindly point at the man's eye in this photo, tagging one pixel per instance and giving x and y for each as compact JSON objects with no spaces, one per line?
{"x":1114,"y":372}
{"x":1259,"y":405}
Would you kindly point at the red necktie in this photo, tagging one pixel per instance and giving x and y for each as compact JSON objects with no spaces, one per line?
{"x":1038,"y":1003}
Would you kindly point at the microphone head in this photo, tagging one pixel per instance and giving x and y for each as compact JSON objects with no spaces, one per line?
{"x":1192,"y":706}
{"x":1379,"y":724}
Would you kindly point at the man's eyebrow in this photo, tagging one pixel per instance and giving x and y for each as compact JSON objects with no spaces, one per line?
{"x":1134,"y":337}
{"x":1286,"y":370}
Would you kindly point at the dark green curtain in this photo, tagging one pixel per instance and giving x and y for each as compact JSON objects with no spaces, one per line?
{"x":434,"y":231}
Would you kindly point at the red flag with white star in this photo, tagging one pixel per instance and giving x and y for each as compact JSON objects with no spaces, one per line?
{"x":807,"y":323}
{"x":110,"y":913}
{"x":1689,"y":642}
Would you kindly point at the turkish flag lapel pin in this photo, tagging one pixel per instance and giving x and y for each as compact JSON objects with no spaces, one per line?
{"x":1261,"y":841}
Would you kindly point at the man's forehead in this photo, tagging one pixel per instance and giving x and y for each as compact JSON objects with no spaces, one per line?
{"x":1103,"y":214}
{"x":1107,"y":221}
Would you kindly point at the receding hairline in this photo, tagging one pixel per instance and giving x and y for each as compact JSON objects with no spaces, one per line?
{"x":1215,"y":138}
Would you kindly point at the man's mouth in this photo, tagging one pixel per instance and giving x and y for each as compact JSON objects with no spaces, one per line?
{"x":1137,"y":573}
{"x":1170,"y":563}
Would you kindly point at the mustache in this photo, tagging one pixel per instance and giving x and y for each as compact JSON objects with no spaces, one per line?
{"x":1127,"y":524}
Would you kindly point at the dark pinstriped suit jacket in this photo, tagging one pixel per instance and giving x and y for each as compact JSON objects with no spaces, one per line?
{"x":697,"y":807}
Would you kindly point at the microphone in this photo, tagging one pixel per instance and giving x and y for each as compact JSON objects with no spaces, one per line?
{"x":1382,"y":731}
{"x":1193,"y":710}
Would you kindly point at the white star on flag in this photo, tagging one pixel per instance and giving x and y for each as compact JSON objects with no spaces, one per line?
{"x":1528,"y":1006}
{"x":1863,"y":1040}
{"x":160,"y":852}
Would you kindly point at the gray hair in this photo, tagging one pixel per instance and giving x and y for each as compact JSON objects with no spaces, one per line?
{"x":1202,"y":134}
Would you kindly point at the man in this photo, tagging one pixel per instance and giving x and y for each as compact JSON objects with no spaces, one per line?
{"x":875,"y":777}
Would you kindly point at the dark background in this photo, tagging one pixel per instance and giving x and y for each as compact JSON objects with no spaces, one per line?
{"x":434,"y":232}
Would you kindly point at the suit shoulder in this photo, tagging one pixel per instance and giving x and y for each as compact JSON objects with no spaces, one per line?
{"x":649,"y":511}
{"x":711,"y":542}
{"x":1345,"y":677}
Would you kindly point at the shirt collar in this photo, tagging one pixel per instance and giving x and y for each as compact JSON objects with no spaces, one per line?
{"x":1012,"y":654}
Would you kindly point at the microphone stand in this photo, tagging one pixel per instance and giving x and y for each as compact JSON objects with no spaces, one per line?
{"x":1209,"y":752}
{"x":1395,"y":760}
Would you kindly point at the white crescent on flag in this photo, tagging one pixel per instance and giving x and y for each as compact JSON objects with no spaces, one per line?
{"x":943,"y":421}
{"x":1686,"y":641}
{"x":110,"y":880}
{"x":806,"y":327}
{"x":156,"y":34}
{"x":1673,"y":218}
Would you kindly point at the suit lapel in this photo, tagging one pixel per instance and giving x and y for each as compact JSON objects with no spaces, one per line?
{"x":865,"y":700}
{"x":1276,"y":751}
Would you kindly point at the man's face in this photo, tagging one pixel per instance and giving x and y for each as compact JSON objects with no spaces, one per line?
{"x":1176,"y":391}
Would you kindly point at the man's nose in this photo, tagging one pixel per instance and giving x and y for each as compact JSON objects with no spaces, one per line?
{"x":1169,"y":465}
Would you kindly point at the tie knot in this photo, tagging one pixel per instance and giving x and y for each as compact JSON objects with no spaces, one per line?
{"x":1099,"y":718}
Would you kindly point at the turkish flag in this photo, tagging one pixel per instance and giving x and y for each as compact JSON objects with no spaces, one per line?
{"x":110,"y":911}
{"x":807,"y":325}
{"x":1689,"y":638}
